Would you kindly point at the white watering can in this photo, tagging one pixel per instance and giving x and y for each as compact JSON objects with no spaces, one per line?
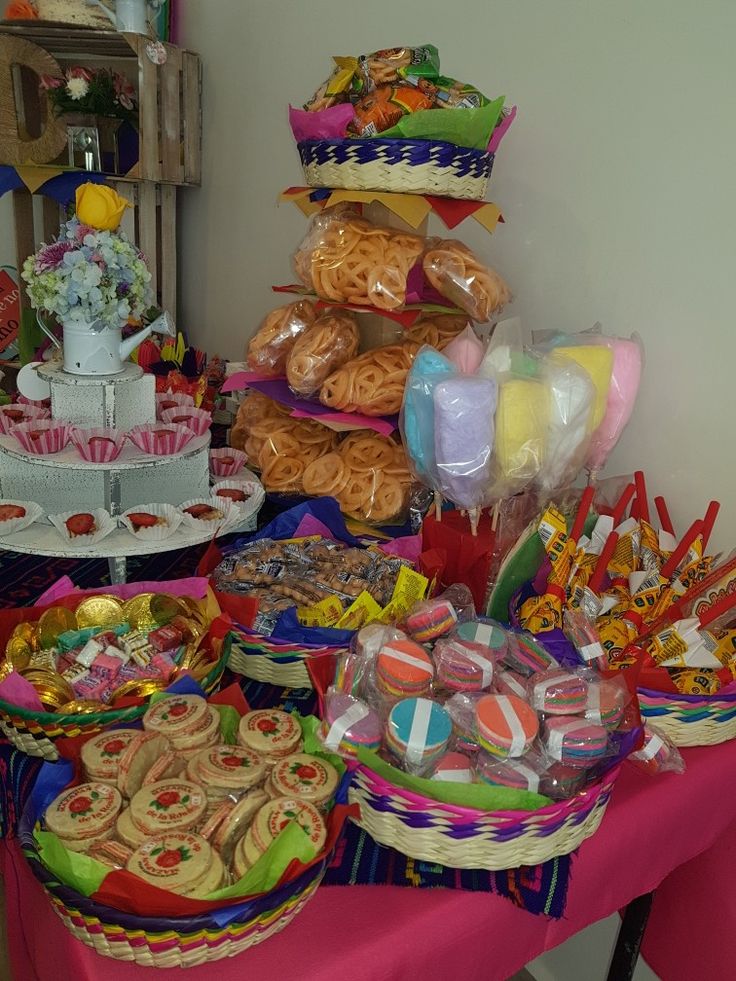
{"x":102,"y":352}
{"x":130,"y":16}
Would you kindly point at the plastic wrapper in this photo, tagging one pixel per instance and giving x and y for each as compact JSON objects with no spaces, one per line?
{"x":403,"y":668}
{"x":461,"y":709}
{"x":559,"y":781}
{"x":383,"y":107}
{"x":526,"y":655}
{"x":346,"y":259}
{"x":521,"y":773}
{"x":628,"y":362}
{"x":437,"y":330}
{"x":270,"y":346}
{"x":558,"y":692}
{"x":463,"y":436}
{"x":462,"y":665}
{"x":606,"y":702}
{"x":506,"y":726}
{"x":455,"y":272}
{"x":387,"y":65}
{"x":507,"y":682}
{"x":658,"y":754}
{"x":572,"y":399}
{"x":357,"y":664}
{"x":349,"y":724}
{"x":377,"y":482}
{"x":373,"y":383}
{"x":585,"y":638}
{"x":465,"y":351}
{"x":575,"y":742}
{"x":417,"y":734}
{"x":444,"y":92}
{"x":417,"y":413}
{"x":336,"y":89}
{"x":323,"y":347}
{"x":485,"y":634}
{"x":455,"y":768}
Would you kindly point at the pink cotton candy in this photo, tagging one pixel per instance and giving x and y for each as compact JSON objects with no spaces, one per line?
{"x":622,"y":392}
{"x":465,"y":351}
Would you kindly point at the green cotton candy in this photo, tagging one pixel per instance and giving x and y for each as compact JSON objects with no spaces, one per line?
{"x":463,"y":127}
{"x":74,"y":869}
{"x":292,"y":842}
{"x":481,"y":796}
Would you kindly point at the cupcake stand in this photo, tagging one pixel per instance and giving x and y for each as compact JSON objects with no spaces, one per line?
{"x":63,"y":481}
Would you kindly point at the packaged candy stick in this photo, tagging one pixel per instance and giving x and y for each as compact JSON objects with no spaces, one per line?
{"x":558,"y":692}
{"x":572,"y":401}
{"x":462,"y":666}
{"x":658,"y":754}
{"x":585,"y":637}
{"x":417,"y":414}
{"x":417,"y":733}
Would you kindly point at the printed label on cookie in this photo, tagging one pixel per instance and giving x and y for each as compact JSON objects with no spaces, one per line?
{"x":167,"y":858}
{"x":300,"y":773}
{"x":277,"y":728}
{"x":306,"y":816}
{"x":83,"y":809}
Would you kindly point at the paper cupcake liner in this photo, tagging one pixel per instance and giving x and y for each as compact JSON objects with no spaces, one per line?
{"x":94,"y":444}
{"x":170,"y":400}
{"x":158,"y":532}
{"x":105,"y":525}
{"x":27,"y":414}
{"x":41,"y":403}
{"x":51,"y":436}
{"x":231,"y":514}
{"x":173,"y":438}
{"x":198,"y":420}
{"x":220,"y":465}
{"x":11,"y":525}
{"x":253,"y":488}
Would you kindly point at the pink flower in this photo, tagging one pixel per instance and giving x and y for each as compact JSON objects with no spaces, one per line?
{"x":83,"y":231}
{"x":51,"y":256}
{"x":49,"y":82}
{"x":78,"y":72}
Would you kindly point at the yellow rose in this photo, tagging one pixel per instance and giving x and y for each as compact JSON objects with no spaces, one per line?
{"x":100,"y":207}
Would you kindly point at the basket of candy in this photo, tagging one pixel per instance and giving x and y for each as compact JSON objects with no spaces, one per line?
{"x":389,"y":121}
{"x":173,"y":851}
{"x":92,"y":660}
{"x":474,"y":747}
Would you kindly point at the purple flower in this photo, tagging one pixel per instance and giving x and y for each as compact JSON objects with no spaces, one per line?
{"x":52,"y":256}
{"x":122,"y":289}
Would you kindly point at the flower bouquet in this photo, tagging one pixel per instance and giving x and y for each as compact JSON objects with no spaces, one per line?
{"x":93,"y":281}
{"x":97,"y":92}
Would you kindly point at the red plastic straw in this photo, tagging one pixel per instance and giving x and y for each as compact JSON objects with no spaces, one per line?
{"x":596,"y":580}
{"x":585,"y":501}
{"x":723,"y":605}
{"x":664,"y":515}
{"x":622,"y":503}
{"x":695,"y":529}
{"x":641,"y":495}
{"x":709,"y":520}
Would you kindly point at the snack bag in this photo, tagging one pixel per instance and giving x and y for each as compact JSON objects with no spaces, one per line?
{"x":385,"y":66}
{"x":455,"y":272}
{"x":373,"y":383}
{"x":337,"y":87}
{"x":444,"y":92}
{"x":270,"y":346}
{"x":384,"y":106}
{"x":437,"y":329}
{"x":330,"y":341}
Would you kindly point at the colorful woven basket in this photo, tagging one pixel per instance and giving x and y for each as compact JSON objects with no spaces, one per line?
{"x":466,"y":838}
{"x":34,"y":732}
{"x":403,"y":166}
{"x":690,"y":720}
{"x":274,"y":663}
{"x":183,"y":941}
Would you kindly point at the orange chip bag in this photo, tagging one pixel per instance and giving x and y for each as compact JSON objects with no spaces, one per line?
{"x":384,"y":107}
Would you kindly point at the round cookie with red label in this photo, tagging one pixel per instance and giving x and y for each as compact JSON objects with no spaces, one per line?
{"x":85,"y":811}
{"x":101,"y":754}
{"x":177,"y":861}
{"x":306,"y":777}
{"x":231,"y":767}
{"x":168,"y":804}
{"x":177,"y":715}
{"x":274,"y":816}
{"x":270,"y":731}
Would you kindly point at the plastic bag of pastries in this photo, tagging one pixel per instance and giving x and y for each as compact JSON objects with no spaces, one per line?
{"x":272,"y":343}
{"x":455,"y":272}
{"x":330,"y":341}
{"x":347,"y":259}
{"x":285,"y":452}
{"x":254,"y":408}
{"x":373,"y":383}
{"x":437,"y":329}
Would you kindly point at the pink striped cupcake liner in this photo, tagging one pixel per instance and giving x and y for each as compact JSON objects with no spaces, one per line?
{"x":16,"y":412}
{"x":171,"y":400}
{"x":98,"y":445}
{"x":42,"y":436}
{"x":226,"y":462}
{"x":198,"y":420}
{"x":160,"y":438}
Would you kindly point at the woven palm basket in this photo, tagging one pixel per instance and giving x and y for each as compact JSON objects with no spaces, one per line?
{"x":183,"y":941}
{"x":690,"y":720}
{"x":403,"y":166}
{"x":467,"y":838}
{"x":273,"y":663}
{"x":35,"y":732}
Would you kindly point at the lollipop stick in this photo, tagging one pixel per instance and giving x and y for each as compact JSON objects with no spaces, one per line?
{"x":622,"y":503}
{"x":494,"y":517}
{"x":668,"y":569}
{"x":474,"y":515}
{"x":709,"y":520}
{"x":609,"y":547}
{"x":664,"y":515}
{"x":641,"y":495}
{"x":438,"y":506}
{"x":582,"y":513}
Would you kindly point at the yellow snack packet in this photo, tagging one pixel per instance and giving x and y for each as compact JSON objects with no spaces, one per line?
{"x":326,"y":613}
{"x":362,"y":611}
{"x":410,"y":588}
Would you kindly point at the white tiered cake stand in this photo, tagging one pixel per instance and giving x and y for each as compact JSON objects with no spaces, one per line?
{"x":63,"y":481}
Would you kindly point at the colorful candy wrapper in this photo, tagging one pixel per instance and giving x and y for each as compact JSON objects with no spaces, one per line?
{"x":658,"y":754}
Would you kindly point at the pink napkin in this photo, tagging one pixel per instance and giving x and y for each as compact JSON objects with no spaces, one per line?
{"x":16,"y":690}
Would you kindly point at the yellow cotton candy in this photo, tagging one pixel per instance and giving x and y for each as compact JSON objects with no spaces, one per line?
{"x":598,"y":362}
{"x":521,"y":423}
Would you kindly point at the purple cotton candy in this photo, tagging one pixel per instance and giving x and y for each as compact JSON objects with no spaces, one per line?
{"x":464,"y":408}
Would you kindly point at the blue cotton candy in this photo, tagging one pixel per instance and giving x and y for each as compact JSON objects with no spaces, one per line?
{"x":417,"y":414}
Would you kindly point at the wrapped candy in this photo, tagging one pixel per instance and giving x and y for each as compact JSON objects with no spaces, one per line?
{"x":572,"y":401}
{"x":658,"y":754}
{"x":417,"y":413}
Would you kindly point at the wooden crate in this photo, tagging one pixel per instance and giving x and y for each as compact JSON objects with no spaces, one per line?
{"x":169,"y":95}
{"x":150,"y":223}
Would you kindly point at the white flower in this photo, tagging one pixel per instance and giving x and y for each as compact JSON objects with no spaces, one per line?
{"x":77,"y":88}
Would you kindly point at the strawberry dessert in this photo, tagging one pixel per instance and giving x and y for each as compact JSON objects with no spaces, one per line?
{"x":233,"y":493}
{"x":81,"y":524}
{"x":142,"y":519}
{"x":9,"y":512}
{"x":204,"y":512}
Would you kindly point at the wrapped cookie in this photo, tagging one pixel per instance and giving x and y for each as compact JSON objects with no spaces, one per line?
{"x":330,"y":341}
{"x":270,"y":346}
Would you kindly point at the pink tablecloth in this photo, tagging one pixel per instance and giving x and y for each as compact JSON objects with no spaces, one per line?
{"x":370,"y":933}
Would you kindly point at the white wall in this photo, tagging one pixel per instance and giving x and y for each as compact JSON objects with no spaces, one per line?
{"x":616,"y":181}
